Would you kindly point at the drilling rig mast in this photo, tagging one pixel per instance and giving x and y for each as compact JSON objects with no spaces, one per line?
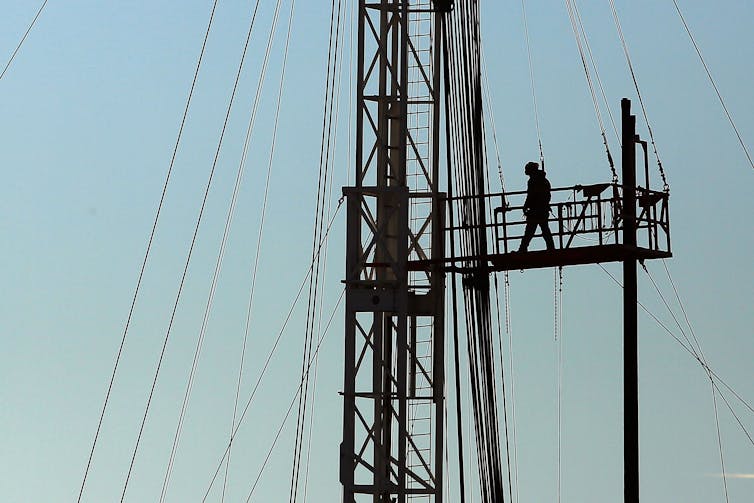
{"x":394,"y":317}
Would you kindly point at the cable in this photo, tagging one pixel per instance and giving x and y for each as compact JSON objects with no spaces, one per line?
{"x":20,"y":43}
{"x":324,"y":170}
{"x":693,"y":334}
{"x":596,"y":72}
{"x":698,"y":353}
{"x":533,"y":87}
{"x":503,"y":391}
{"x":733,"y":413}
{"x":655,"y":318}
{"x":666,"y":187}
{"x":720,"y":445}
{"x":714,"y":85}
{"x":466,"y":136}
{"x":680,"y":303}
{"x":689,"y":350}
{"x":511,"y":470}
{"x":558,"y":329}
{"x":311,"y":425}
{"x":699,"y":358}
{"x":451,"y":217}
{"x":334,"y":136}
{"x":261,"y":226}
{"x":351,"y":24}
{"x":500,"y":343}
{"x":509,"y":330}
{"x":486,"y":88}
{"x":578,"y":31}
{"x":185,"y":273}
{"x":271,"y":353}
{"x":148,"y":250}
{"x":297,"y":394}
{"x":221,"y":251}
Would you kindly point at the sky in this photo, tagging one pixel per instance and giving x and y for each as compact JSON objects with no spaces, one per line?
{"x":89,"y":114}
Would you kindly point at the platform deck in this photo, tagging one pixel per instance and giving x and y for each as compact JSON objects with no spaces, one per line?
{"x":572,"y":256}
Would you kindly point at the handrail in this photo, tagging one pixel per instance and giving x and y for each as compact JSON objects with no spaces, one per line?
{"x":591,"y":211}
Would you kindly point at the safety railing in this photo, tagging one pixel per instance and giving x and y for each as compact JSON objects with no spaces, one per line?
{"x":582,"y":215}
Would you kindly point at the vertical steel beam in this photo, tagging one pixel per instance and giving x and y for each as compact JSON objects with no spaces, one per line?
{"x":630,"y":344}
{"x":438,"y":251}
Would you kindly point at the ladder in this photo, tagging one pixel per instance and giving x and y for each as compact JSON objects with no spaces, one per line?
{"x":420,"y":107}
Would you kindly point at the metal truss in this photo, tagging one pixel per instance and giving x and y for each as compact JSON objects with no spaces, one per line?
{"x":394,"y":328}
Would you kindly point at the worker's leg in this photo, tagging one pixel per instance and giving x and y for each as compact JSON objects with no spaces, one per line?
{"x":531,"y":227}
{"x":546,"y":234}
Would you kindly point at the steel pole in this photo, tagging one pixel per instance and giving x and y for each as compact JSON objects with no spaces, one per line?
{"x":630,"y":344}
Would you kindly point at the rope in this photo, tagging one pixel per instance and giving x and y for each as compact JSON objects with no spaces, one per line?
{"x":148,"y":250}
{"x":714,"y":85}
{"x":666,"y":187}
{"x":21,"y":42}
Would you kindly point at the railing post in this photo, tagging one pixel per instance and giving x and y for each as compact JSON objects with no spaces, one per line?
{"x":666,"y":212}
{"x":505,"y":228}
{"x":599,"y":217}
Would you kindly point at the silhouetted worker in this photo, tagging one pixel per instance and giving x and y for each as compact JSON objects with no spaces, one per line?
{"x":537,"y":206}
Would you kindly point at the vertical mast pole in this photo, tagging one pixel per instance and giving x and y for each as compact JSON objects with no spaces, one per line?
{"x":630,"y":344}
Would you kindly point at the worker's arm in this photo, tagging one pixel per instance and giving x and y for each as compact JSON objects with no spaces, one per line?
{"x":529,"y":197}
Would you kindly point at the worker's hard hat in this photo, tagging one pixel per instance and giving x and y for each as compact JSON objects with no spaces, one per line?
{"x":531,"y":167}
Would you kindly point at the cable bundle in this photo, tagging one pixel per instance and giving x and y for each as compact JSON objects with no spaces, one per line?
{"x":467,"y":170}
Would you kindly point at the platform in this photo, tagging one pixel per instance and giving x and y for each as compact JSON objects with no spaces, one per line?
{"x":540,"y":259}
{"x":586,"y":223}
{"x":572,"y":256}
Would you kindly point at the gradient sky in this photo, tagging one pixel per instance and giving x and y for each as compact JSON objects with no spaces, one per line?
{"x":89,"y":113}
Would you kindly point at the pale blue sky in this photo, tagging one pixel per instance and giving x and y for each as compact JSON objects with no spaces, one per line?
{"x":89,"y":113}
